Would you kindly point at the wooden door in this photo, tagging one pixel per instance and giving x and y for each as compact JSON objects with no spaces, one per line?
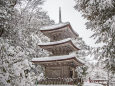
{"x":55,"y":73}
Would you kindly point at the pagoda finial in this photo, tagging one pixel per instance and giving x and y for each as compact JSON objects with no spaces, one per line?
{"x":60,"y":21}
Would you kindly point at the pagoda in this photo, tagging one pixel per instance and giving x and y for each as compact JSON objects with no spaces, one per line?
{"x":61,"y":64}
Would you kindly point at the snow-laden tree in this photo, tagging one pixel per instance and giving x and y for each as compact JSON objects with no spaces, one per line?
{"x":27,"y":24}
{"x":101,"y":20}
{"x":13,"y":64}
{"x":82,"y":55}
{"x":18,"y":44}
{"x":6,"y":12}
{"x":97,"y":72}
{"x":84,"y":49}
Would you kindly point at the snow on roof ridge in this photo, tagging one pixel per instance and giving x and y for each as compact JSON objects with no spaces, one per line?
{"x":51,"y":58}
{"x":80,"y":60}
{"x":56,"y":42}
{"x":54,"y":26}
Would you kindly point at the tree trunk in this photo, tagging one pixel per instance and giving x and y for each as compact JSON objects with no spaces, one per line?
{"x":108,"y":78}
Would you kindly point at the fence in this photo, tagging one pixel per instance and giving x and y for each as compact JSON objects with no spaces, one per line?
{"x":112,"y":83}
{"x":103,"y":82}
{"x":70,"y":81}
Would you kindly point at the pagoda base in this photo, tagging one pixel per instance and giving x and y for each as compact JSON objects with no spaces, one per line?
{"x":66,"y":81}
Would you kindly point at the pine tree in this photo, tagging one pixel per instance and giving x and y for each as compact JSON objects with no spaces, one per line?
{"x":82,"y":56}
{"x":6,"y":12}
{"x":101,"y":20}
{"x":18,"y":44}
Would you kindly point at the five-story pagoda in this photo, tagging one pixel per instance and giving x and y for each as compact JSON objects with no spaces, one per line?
{"x":63,"y":62}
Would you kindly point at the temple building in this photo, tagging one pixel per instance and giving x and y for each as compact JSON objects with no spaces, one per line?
{"x":63,"y":61}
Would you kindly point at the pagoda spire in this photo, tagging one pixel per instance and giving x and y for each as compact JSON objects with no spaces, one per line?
{"x":60,"y":20}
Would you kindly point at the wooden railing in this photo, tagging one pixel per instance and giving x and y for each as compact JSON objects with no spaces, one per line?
{"x":112,"y":83}
{"x":103,"y":82}
{"x":71,"y":81}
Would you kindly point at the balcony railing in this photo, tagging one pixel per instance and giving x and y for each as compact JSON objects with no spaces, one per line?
{"x":71,"y":81}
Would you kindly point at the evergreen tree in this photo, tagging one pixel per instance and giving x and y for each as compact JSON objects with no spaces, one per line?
{"x":6,"y":12}
{"x":82,"y":56}
{"x":20,"y":36}
{"x":101,"y":20}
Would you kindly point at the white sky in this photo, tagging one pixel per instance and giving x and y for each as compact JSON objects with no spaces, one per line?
{"x":69,"y":14}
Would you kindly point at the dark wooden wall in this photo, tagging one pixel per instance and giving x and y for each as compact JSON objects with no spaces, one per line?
{"x":56,"y":72}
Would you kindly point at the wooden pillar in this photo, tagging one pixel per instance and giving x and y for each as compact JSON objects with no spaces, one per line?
{"x":73,"y":72}
{"x":45,"y":71}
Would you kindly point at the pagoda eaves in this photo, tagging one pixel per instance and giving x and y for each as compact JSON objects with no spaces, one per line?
{"x":54,"y":27}
{"x":59,"y":31}
{"x":62,"y":47}
{"x":58,"y":60}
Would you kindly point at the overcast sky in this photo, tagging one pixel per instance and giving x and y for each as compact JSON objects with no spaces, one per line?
{"x":69,"y":14}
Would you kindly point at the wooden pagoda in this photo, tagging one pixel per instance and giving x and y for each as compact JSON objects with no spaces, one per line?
{"x":63,"y":62}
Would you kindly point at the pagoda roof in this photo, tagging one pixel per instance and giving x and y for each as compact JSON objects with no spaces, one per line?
{"x":55,"y":43}
{"x":60,"y":46}
{"x":53,"y":27}
{"x":59,"y":43}
{"x":59,"y":31}
{"x":53,"y":59}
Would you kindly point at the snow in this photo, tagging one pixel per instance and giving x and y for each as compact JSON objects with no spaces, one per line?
{"x":56,"y":42}
{"x":51,"y":58}
{"x":54,"y":58}
{"x":54,"y":26}
{"x":82,"y":61}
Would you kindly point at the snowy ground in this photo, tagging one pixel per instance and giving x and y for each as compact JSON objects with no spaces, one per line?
{"x":85,"y":84}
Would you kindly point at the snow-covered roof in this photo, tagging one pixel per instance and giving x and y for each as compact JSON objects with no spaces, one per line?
{"x":53,"y":58}
{"x":54,"y":26}
{"x":56,"y":42}
{"x":57,"y":58}
{"x":80,"y":60}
